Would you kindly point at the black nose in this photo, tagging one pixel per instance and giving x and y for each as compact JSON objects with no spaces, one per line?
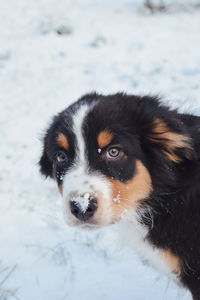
{"x":83,"y":214}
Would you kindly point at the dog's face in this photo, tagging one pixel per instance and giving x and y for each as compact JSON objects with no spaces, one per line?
{"x":98,"y":152}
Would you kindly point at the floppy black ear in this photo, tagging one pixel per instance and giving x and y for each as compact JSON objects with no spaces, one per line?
{"x":45,"y":163}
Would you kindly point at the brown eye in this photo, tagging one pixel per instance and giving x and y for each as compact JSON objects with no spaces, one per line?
{"x":61,"y":157}
{"x":114,"y":153}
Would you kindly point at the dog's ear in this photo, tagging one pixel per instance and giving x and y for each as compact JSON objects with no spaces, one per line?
{"x":44,"y":162}
{"x":174,"y":143}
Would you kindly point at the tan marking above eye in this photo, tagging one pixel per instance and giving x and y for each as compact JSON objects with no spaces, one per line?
{"x":171,"y":260}
{"x":130,"y":194}
{"x":62,"y":141}
{"x":104,"y":138}
{"x":170,"y":140}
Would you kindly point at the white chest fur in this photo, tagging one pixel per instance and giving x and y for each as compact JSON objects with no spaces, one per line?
{"x":133,"y":235}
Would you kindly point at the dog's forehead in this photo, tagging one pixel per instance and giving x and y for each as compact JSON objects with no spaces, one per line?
{"x":87,"y":120}
{"x":90,"y":123}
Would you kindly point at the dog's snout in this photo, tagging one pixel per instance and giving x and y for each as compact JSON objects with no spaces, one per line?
{"x":84,"y":207}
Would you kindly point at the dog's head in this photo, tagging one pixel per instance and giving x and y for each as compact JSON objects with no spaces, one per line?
{"x":109,"y":153}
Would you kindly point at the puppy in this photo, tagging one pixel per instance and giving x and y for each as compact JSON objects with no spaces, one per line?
{"x":132,"y":160}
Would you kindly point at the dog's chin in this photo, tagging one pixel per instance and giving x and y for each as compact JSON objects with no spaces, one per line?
{"x":83,"y":225}
{"x":88,"y":226}
{"x":91,"y":224}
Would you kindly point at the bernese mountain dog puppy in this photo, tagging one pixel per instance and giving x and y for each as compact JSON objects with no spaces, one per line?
{"x":131,"y":160}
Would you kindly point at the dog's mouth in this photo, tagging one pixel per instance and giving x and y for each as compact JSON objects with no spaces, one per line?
{"x":88,"y":226}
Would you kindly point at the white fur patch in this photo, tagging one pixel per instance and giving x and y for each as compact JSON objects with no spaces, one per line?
{"x":77,"y":128}
{"x":133,"y":234}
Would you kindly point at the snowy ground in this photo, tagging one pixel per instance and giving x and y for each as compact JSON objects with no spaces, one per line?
{"x":107,"y":46}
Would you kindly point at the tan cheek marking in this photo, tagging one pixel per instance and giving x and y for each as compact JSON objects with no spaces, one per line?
{"x":102,"y":216}
{"x":60,"y":188}
{"x":128,"y":195}
{"x":62,"y":141}
{"x":171,"y":140}
{"x":104,"y":138}
{"x":171,"y":260}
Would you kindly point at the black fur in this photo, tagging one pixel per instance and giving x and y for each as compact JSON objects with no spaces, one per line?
{"x":175,"y":200}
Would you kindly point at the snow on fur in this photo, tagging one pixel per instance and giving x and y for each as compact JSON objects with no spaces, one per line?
{"x":82,"y":202}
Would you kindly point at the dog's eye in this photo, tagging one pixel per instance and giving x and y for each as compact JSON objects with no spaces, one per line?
{"x":61,"y":157}
{"x":114,"y":153}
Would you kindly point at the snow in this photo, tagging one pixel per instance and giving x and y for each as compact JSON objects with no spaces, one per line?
{"x":50,"y":54}
{"x":82,"y":202}
{"x":117,"y":199}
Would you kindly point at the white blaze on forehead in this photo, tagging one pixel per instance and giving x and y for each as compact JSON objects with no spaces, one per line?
{"x":77,"y":181}
{"x":78,"y":120}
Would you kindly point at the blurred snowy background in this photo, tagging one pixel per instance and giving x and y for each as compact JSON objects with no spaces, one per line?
{"x":51,"y":52}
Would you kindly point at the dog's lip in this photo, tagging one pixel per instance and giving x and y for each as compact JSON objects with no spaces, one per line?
{"x":88,"y":226}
